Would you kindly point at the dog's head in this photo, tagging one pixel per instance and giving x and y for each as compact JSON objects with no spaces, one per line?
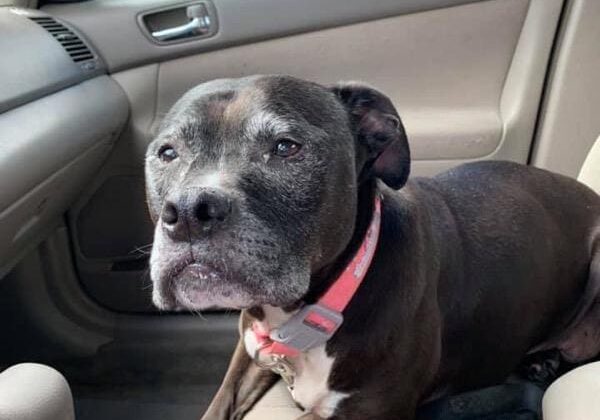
{"x":252,"y":185}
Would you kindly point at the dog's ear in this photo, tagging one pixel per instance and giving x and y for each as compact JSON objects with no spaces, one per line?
{"x":377,"y":126}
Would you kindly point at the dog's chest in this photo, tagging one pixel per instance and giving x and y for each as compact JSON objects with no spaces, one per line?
{"x":312,"y":371}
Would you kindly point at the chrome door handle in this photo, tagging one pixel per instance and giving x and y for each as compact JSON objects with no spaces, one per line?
{"x":196,"y":26}
{"x":199,"y":24}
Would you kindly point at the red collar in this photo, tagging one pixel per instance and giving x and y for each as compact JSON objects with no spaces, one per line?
{"x":314,"y":324}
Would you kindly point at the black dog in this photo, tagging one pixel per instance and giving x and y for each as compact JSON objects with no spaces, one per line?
{"x":265,"y":189}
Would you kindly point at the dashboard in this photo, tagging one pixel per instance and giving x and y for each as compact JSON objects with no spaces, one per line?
{"x":60,"y":115}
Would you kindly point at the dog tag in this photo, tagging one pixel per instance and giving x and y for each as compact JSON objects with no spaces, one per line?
{"x":284,"y":369}
{"x":279,"y":365}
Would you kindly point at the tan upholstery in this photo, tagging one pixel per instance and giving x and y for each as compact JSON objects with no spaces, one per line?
{"x":575,"y":395}
{"x":277,"y":404}
{"x":31,"y":391}
{"x":590,"y":171}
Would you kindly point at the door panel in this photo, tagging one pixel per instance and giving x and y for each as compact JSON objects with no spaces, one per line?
{"x":466,"y":79}
{"x":569,"y":122}
{"x":448,"y":77}
{"x":238,"y":21}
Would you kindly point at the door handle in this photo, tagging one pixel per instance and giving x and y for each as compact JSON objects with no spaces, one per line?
{"x":200,"y":24}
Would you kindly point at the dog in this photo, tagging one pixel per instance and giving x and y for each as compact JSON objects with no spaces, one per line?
{"x":368,"y":293}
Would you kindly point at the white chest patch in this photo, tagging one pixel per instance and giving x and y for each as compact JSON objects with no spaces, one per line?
{"x":312,"y":368}
{"x":310,"y":387}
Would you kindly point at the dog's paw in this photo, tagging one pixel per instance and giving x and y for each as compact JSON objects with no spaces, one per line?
{"x":542,"y":368}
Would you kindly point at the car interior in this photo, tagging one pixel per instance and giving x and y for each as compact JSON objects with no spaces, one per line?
{"x":84,"y":86}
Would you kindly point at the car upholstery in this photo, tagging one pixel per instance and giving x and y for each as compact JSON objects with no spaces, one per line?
{"x":590,"y":171}
{"x":31,"y":391}
{"x":574,"y":396}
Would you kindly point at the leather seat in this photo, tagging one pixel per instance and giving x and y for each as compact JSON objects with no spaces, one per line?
{"x":31,"y":391}
{"x":277,"y":404}
{"x":574,"y":396}
{"x":590,"y":171}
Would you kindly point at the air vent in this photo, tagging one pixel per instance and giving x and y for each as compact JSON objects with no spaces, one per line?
{"x":75,"y":47}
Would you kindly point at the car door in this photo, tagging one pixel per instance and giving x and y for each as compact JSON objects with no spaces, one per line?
{"x":466,"y":77}
{"x":468,"y":80}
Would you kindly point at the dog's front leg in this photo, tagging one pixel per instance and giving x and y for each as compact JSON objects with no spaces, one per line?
{"x":244,"y":384}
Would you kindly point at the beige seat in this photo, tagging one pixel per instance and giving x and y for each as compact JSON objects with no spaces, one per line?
{"x":590,"y":171}
{"x":575,"y":396}
{"x":31,"y":391}
{"x":277,"y":404}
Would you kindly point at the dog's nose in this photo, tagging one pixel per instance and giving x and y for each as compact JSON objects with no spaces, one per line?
{"x":211,"y":207}
{"x":195,"y":214}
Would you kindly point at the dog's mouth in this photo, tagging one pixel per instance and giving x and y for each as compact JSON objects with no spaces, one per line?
{"x":194,"y":285}
{"x":236,"y":274}
{"x":197,"y":283}
{"x":201,"y":271}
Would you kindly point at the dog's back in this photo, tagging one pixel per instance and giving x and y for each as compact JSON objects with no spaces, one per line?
{"x":526,"y":240}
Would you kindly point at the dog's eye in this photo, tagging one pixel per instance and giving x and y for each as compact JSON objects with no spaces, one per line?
{"x":286,"y":148}
{"x":166,"y":153}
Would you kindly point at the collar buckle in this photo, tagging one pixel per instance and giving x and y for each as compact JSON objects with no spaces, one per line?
{"x":312,"y":326}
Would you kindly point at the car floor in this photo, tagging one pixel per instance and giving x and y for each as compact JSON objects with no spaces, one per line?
{"x":148,"y":403}
{"x":128,"y":380}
